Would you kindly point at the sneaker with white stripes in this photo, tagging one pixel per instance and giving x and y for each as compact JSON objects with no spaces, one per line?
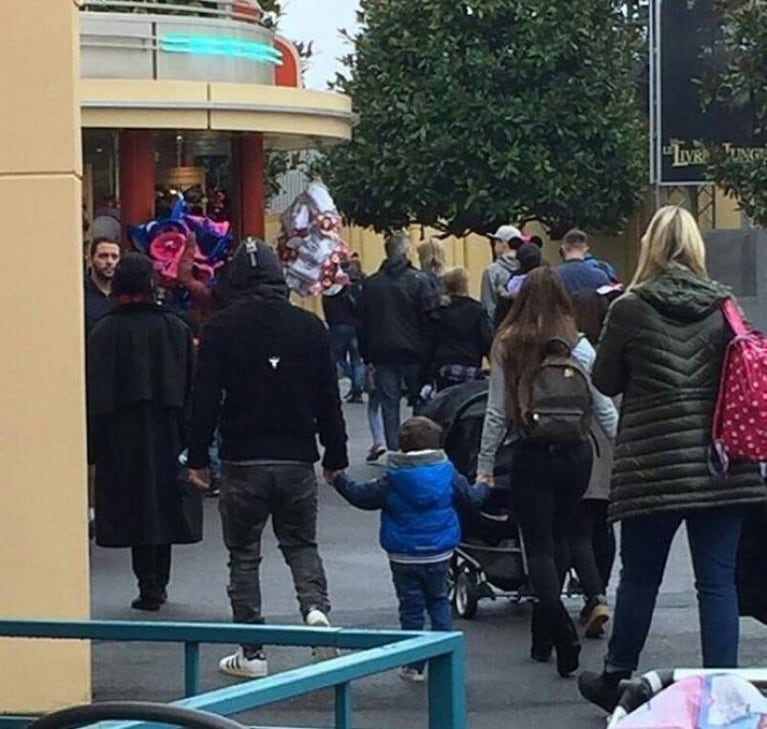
{"x":238,"y":665}
{"x":317,"y":619}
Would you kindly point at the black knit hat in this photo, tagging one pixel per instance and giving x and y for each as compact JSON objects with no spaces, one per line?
{"x":134,"y":276}
{"x":529,"y":257}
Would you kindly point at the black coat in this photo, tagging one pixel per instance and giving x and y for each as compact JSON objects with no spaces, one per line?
{"x":394,"y":312}
{"x":460,"y":334}
{"x":97,"y":304}
{"x":663,"y":348}
{"x":139,"y":374}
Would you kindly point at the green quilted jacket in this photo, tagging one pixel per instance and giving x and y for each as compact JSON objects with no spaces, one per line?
{"x":663,"y":348}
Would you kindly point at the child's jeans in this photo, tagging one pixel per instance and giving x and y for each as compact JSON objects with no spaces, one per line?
{"x":422,"y":588}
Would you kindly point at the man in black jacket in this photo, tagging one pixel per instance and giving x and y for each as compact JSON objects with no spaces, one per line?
{"x":266,"y":369}
{"x":103,"y":257}
{"x":395,"y":308}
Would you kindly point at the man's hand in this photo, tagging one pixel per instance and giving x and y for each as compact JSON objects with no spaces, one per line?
{"x":199,"y":478}
{"x":331,"y":476}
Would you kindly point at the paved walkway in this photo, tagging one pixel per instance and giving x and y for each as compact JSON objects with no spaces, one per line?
{"x":505,"y":689}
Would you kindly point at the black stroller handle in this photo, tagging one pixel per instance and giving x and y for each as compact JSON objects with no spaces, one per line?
{"x":473,"y":400}
{"x":78,"y":716}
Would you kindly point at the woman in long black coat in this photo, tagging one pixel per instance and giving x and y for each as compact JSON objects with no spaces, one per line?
{"x":139,"y":374}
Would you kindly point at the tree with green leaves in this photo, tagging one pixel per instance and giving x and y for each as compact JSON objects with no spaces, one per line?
{"x":745,"y":81}
{"x":479,"y":112}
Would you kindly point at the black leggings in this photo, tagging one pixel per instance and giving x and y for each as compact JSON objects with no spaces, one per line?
{"x":592,"y":545}
{"x":547,"y":484}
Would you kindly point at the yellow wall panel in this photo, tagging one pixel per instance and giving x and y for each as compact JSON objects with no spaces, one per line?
{"x":43,"y":508}
{"x":37,"y":86}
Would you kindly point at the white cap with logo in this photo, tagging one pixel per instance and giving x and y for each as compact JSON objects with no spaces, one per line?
{"x":506,"y":233}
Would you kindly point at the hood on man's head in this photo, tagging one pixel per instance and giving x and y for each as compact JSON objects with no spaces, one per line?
{"x":255,"y":268}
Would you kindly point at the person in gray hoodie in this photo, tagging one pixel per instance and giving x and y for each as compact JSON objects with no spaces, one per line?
{"x":506,"y":241}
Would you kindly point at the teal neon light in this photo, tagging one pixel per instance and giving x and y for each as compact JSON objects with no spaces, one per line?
{"x":220,"y":46}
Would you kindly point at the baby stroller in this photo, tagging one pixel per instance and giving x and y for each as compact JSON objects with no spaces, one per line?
{"x":490,"y":561}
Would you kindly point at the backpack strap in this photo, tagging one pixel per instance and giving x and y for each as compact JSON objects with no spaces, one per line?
{"x":733,"y":317}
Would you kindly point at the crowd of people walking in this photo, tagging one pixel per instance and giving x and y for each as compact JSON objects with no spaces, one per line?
{"x":567,"y":349}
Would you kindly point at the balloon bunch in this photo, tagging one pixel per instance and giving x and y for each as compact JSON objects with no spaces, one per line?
{"x":310,"y":245}
{"x":165,"y":241}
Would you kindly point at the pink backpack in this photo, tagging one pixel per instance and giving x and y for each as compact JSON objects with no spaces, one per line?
{"x":740,"y":418}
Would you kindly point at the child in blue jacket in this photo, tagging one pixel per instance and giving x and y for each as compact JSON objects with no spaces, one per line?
{"x":418,"y":498}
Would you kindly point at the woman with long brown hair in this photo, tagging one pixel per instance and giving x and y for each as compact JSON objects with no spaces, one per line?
{"x":547,"y":477}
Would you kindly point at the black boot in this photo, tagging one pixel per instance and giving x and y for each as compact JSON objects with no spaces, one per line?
{"x":602,"y":689}
{"x":542,"y":644}
{"x":566,"y":642}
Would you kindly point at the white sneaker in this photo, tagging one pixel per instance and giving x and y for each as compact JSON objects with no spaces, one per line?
{"x":317,"y":619}
{"x":407,"y":673}
{"x":238,"y":665}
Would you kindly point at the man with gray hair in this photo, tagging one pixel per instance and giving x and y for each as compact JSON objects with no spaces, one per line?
{"x":394,"y":312}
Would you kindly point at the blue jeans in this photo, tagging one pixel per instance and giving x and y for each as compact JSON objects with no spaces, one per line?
{"x":422,"y":588}
{"x":713,"y":536}
{"x":346,"y":350}
{"x":388,"y":382}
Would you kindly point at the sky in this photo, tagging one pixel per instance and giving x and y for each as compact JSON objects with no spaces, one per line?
{"x":319,"y":21}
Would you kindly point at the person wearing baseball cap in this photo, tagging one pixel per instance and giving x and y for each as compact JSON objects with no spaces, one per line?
{"x":506,"y":242}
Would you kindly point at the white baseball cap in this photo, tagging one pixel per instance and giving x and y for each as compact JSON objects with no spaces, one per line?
{"x":506,"y":233}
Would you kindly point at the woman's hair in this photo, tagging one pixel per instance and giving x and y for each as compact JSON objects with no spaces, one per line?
{"x":541,"y":311}
{"x":456,"y":281}
{"x":134,"y":276}
{"x":673,"y":236}
{"x":431,"y":254}
{"x":590,"y":311}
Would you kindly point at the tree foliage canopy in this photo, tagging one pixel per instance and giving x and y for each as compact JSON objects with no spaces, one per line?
{"x":478,"y":112}
{"x":745,"y":40}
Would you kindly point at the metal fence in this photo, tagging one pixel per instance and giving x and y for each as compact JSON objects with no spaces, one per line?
{"x":217,"y":9}
{"x":373,"y":651}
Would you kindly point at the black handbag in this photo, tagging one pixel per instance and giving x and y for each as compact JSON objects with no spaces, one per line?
{"x":189,"y":528}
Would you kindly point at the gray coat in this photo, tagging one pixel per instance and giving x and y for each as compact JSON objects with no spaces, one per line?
{"x":494,"y":280}
{"x":663,"y":347}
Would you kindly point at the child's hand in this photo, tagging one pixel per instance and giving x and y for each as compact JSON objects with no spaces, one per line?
{"x":331,"y":476}
{"x":486,"y":478}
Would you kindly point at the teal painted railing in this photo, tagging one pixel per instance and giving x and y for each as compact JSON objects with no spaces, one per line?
{"x":375,"y":651}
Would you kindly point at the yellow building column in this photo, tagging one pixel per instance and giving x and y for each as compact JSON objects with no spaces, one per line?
{"x":43,"y":524}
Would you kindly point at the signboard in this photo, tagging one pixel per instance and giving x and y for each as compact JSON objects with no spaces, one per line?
{"x":688,"y":41}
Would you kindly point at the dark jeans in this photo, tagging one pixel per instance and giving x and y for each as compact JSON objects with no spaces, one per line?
{"x":547,"y":483}
{"x":249,"y":496}
{"x":592,"y":545}
{"x":422,"y":588}
{"x":389,"y":380}
{"x":713,"y":536}
{"x":151,"y":565}
{"x":346,"y":350}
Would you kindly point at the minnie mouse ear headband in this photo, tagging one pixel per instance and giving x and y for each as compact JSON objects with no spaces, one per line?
{"x":517,"y":242}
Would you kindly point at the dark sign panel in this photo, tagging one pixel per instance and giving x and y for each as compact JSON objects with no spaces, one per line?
{"x":690,"y":52}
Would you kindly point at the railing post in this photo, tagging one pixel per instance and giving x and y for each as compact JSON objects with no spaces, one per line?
{"x":191,"y":669}
{"x":343,"y":706}
{"x":447,"y":693}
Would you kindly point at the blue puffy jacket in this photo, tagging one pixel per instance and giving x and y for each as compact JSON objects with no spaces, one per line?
{"x":418,"y":499}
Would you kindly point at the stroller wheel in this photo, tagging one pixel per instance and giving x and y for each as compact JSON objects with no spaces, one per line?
{"x":465,"y":594}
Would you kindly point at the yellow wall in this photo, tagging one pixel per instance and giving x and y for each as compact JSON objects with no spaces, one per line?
{"x":43,"y":526}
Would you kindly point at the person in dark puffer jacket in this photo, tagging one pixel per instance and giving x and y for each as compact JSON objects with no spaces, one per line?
{"x":418,"y":499}
{"x":663,"y":348}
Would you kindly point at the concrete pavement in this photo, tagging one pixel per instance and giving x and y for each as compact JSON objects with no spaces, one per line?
{"x":504,"y":688}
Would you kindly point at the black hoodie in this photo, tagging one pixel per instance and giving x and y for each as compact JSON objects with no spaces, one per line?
{"x":395,"y":308}
{"x":265,"y":368}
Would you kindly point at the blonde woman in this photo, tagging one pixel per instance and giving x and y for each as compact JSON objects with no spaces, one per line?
{"x":663,"y":349}
{"x":431,"y":256}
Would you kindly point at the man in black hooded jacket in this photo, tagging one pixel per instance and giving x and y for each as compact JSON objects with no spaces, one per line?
{"x":395,"y":311}
{"x":265,"y":371}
